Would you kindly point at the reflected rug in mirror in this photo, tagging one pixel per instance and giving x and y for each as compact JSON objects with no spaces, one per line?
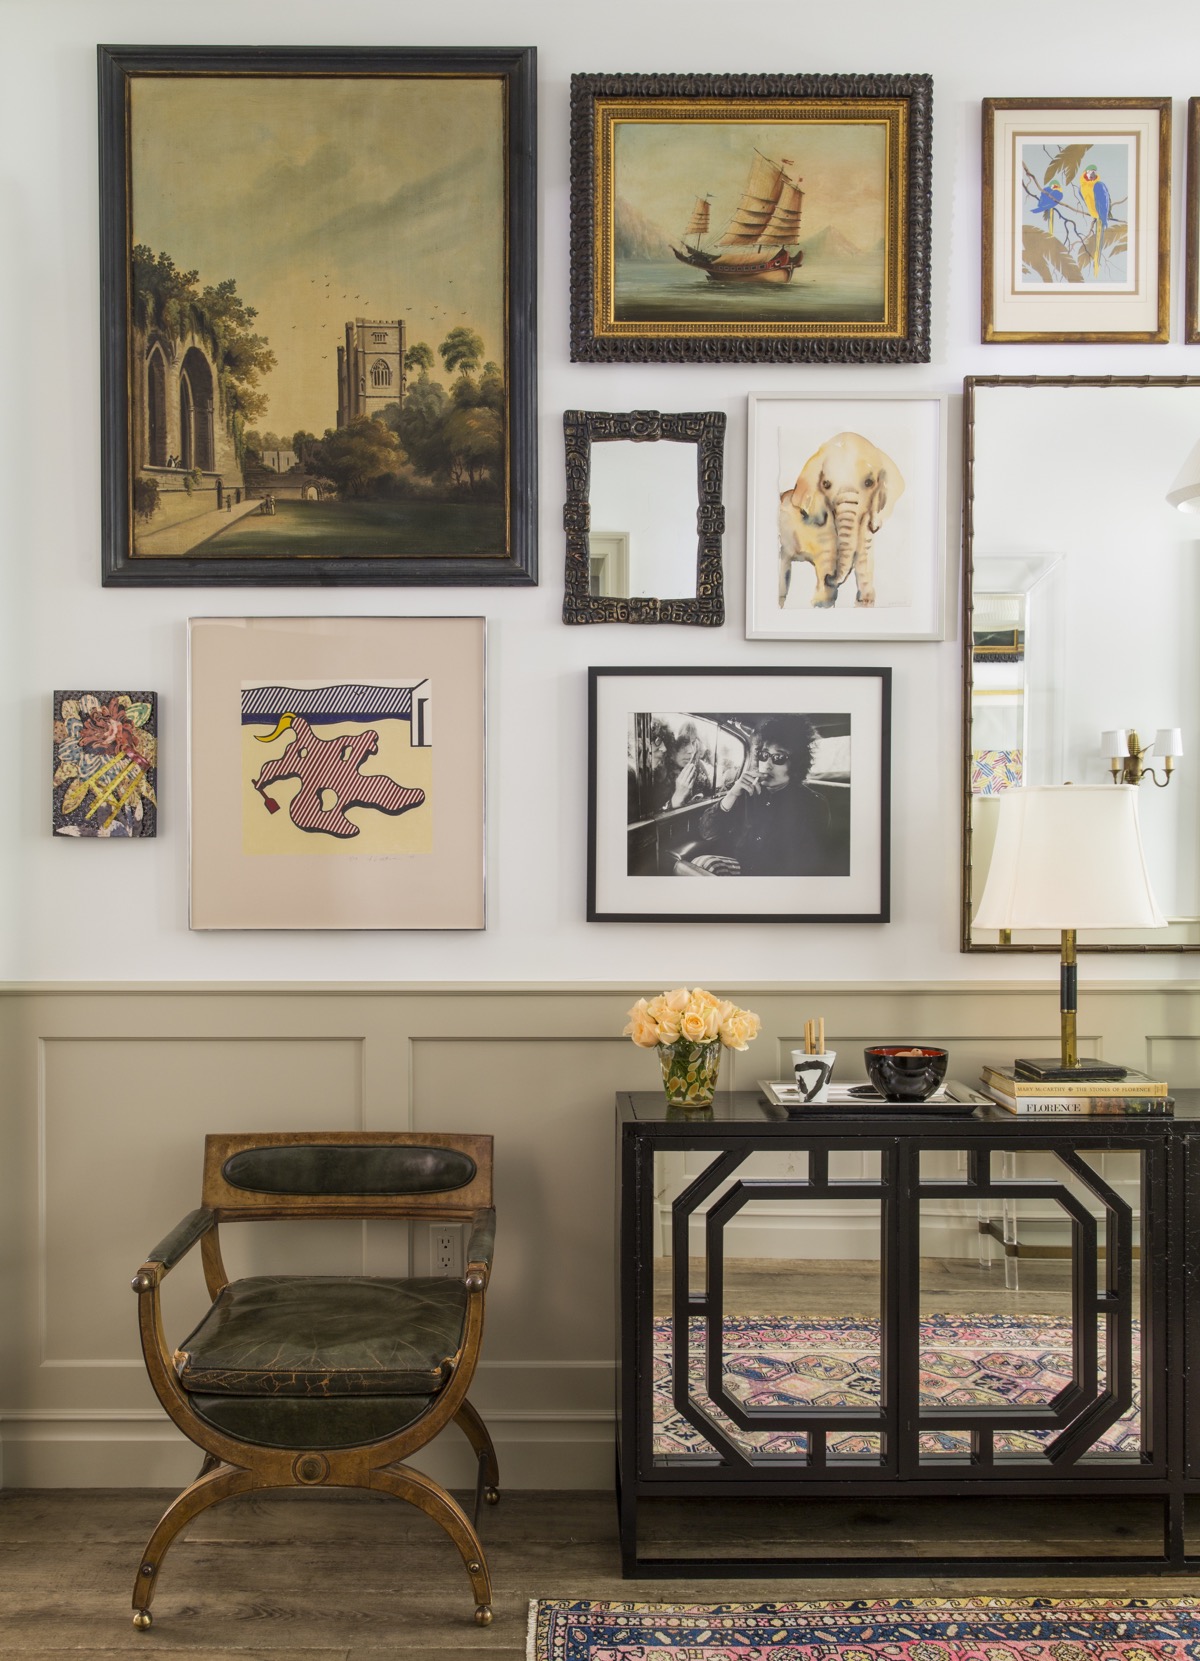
{"x":778,"y":1362}
{"x":868,"y":1629}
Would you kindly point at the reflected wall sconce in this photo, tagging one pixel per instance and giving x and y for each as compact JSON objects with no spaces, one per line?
{"x":1127,"y":755}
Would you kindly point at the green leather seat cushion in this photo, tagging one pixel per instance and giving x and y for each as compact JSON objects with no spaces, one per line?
{"x":326,"y":1335}
{"x":310,"y":1421}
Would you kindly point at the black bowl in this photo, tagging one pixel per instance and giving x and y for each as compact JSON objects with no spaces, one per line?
{"x":905,"y":1072}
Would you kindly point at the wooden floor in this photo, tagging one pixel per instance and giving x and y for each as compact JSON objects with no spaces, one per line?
{"x":323,"y":1575}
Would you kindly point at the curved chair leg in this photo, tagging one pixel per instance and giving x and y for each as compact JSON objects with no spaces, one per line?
{"x":209,"y":1488}
{"x":476,"y":1432}
{"x":428,"y":1496}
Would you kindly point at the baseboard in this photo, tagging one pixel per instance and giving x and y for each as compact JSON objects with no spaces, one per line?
{"x":574,"y":1450}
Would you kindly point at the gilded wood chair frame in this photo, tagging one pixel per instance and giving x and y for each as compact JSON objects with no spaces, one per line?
{"x":236,"y":1466}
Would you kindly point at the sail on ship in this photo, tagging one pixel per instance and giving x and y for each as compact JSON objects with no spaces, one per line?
{"x":767,"y":218}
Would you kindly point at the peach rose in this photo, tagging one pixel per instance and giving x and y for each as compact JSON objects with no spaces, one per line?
{"x":641,"y":1027}
{"x":738,"y":1028}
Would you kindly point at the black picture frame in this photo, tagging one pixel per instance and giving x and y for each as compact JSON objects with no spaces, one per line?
{"x":666,"y":744}
{"x":502,"y":519}
{"x":659,"y":326}
{"x":703,"y":428}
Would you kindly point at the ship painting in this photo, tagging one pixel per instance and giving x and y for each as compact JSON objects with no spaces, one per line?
{"x":764,"y":227}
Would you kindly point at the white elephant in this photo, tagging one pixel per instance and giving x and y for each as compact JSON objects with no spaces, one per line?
{"x":831,"y":514}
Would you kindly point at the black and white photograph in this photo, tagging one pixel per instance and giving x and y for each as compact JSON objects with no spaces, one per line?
{"x":768,"y":790}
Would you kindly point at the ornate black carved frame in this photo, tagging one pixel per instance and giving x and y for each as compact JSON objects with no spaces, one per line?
{"x":701,"y":343}
{"x":703,"y":428}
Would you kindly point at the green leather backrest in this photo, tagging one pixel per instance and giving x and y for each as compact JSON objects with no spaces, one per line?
{"x":327,"y":1168}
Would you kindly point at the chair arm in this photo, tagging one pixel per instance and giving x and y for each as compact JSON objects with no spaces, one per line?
{"x":479,"y":1249}
{"x":175,"y":1245}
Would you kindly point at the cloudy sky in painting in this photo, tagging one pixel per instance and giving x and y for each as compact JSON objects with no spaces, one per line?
{"x":660,"y":167}
{"x":327,"y":200}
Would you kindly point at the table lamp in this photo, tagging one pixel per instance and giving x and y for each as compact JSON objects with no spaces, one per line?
{"x":1068,"y":857}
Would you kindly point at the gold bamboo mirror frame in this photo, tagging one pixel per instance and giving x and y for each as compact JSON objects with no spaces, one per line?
{"x":1081,"y":613}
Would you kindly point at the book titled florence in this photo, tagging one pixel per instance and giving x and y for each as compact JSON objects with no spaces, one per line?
{"x":1133,"y":1084}
{"x":1046,"y":1107}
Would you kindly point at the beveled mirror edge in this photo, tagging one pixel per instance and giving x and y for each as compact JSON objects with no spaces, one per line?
{"x":705,"y":429}
{"x":970,"y":385}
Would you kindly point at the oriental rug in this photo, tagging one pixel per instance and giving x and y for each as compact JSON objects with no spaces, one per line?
{"x":779,"y":1362}
{"x":869,"y":1629}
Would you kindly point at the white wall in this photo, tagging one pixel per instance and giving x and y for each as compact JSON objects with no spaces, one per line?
{"x":85,"y":911}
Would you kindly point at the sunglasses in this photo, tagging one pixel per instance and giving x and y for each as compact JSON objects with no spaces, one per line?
{"x":777,"y":758}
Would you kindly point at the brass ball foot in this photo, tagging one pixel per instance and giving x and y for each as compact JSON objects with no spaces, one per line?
{"x":483,"y":1614}
{"x":491,"y":1496}
{"x":143,"y":1620}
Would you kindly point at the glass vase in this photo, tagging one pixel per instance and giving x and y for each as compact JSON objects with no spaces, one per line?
{"x":690,"y":1071}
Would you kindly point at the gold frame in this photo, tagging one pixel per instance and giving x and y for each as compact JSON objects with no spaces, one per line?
{"x":992,"y":244}
{"x":1191,"y":309}
{"x":900,"y":103}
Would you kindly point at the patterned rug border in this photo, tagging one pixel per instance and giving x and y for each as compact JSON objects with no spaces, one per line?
{"x":1079,"y":1628}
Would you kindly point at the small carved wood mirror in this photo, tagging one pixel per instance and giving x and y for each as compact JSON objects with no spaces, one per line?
{"x":644,"y":517}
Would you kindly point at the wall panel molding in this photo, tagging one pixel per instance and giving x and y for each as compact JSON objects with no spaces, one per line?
{"x":111,"y":1089}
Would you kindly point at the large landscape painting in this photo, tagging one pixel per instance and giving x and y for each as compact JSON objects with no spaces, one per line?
{"x":319,"y":328}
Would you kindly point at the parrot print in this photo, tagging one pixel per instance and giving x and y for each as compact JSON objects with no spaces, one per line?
{"x":1098,"y":202}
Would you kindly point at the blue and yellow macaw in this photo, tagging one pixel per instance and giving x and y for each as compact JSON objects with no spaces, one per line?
{"x":1052,"y":195}
{"x":1098,"y":202}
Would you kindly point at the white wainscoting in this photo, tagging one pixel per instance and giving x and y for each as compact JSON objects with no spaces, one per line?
{"x":111,"y":1090}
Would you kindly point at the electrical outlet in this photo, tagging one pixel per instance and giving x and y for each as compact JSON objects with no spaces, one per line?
{"x":446,"y":1250}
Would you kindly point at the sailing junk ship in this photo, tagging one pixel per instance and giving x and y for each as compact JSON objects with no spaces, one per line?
{"x":767,"y":215}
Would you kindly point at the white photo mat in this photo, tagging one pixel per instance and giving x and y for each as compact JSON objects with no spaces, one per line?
{"x":909,"y":431}
{"x":615,"y":695}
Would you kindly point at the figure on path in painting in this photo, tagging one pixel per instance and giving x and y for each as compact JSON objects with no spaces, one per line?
{"x":330,"y":781}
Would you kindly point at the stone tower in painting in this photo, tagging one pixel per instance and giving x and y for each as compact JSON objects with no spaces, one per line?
{"x":370,"y":368}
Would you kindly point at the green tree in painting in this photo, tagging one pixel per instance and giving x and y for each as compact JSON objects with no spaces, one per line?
{"x":359,"y":458}
{"x":419,"y":357}
{"x":170,"y":301}
{"x":462,"y":349}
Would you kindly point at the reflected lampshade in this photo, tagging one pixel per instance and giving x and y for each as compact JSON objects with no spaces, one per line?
{"x":1184,"y":493}
{"x":1069,"y":857}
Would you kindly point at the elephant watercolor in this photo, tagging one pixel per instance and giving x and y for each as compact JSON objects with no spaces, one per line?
{"x":831,"y":515}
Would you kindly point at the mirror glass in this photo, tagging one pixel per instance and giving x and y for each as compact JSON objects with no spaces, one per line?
{"x":1081,"y":588}
{"x":643,"y":537}
{"x":643,"y":517}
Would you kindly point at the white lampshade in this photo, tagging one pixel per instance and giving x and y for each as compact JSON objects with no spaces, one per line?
{"x":1068,"y":856}
{"x":1113,"y":742}
{"x":1184,"y":493}
{"x":1168,"y":741}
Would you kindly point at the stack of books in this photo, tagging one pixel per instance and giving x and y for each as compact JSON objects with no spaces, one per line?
{"x":1136,"y":1093}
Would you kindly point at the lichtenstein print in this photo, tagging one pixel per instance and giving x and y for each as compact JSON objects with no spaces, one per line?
{"x":338,"y":766}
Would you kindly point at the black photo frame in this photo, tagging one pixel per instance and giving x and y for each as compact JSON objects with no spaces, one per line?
{"x":187,"y":335}
{"x":803,"y":838}
{"x":652,"y":165}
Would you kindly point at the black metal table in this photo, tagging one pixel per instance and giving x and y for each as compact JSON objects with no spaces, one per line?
{"x":1123,"y":1191}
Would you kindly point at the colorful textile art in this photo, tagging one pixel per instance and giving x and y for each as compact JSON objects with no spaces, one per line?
{"x":869,"y":1629}
{"x":774,"y":1362}
{"x":995,"y":770}
{"x":105,"y":764}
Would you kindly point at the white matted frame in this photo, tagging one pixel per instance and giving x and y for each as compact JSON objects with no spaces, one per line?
{"x":661,"y":854}
{"x":1076,"y":220}
{"x":846,"y":516}
{"x":336,"y":772}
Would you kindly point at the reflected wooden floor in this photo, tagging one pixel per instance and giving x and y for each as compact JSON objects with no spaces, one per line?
{"x":814,"y":1287}
{"x":308,"y":1577}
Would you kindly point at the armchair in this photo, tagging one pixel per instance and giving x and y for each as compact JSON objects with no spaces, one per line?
{"x":326,"y":1380}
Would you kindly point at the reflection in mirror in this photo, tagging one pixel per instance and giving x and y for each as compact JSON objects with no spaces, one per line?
{"x":1080,"y":585}
{"x":643,"y":517}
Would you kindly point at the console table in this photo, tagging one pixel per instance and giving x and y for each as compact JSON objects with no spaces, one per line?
{"x":699,"y":1419}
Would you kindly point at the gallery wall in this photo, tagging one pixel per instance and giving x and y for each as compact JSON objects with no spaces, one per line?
{"x":85,"y":911}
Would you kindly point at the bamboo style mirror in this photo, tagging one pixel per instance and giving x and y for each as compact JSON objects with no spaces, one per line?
{"x":1081,"y":588}
{"x":644,"y":517}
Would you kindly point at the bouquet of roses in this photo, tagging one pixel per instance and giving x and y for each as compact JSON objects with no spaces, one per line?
{"x":695,"y":1016}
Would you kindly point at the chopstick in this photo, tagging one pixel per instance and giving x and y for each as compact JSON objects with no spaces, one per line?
{"x":814,"y":1036}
